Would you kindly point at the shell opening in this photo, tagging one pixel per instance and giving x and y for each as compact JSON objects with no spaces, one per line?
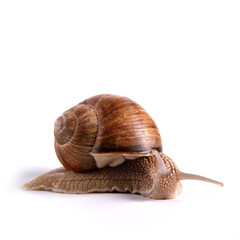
{"x":64,"y":128}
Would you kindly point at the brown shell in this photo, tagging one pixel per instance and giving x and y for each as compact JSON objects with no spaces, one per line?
{"x":104,"y":130}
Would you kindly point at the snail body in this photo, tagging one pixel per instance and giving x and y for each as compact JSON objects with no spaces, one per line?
{"x":138,"y":176}
{"x":110,"y":143}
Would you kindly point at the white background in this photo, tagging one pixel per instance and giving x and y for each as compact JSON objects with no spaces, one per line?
{"x":179,"y":59}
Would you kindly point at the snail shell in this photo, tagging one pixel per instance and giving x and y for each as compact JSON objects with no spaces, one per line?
{"x":104,"y":130}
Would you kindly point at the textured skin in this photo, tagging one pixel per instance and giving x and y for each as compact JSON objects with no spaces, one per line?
{"x":135,"y":176}
{"x":168,"y":186}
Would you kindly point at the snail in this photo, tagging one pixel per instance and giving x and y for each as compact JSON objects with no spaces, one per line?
{"x":109,"y":143}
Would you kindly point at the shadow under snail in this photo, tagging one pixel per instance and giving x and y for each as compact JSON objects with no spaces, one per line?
{"x":109,"y":143}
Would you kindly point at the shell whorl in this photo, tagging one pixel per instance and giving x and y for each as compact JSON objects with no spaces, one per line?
{"x":124,"y":126}
{"x":75,"y":133}
{"x":64,"y":127}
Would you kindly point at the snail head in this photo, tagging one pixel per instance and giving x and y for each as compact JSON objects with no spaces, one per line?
{"x":168,"y":184}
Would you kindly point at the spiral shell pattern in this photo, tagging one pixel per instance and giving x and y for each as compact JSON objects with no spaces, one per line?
{"x":105,"y":125}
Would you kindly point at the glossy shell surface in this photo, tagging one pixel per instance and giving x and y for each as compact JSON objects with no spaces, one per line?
{"x":104,"y":130}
